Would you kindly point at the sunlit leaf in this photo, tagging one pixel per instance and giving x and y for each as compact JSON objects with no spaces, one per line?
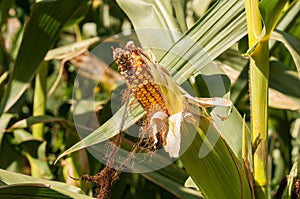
{"x":271,"y":12}
{"x":155,"y":18}
{"x":70,"y":50}
{"x":4,"y":120}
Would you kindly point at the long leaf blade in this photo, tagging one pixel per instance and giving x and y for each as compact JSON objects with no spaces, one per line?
{"x":11,"y":178}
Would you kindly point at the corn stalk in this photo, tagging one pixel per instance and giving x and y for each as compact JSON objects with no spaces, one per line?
{"x":261,"y":20}
{"x":259,"y":76}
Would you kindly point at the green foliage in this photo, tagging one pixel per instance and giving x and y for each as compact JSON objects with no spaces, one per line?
{"x":29,"y":30}
{"x":47,"y":21}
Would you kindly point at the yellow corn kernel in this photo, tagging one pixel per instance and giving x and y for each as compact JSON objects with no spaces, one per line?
{"x":138,"y":78}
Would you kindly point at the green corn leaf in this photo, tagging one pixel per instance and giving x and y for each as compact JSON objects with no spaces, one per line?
{"x":271,"y":12}
{"x":39,"y":166}
{"x":71,"y":50}
{"x":155,"y":18}
{"x":4,"y":120}
{"x":284,"y":90}
{"x":29,"y":190}
{"x":25,"y":123}
{"x":167,"y":178}
{"x":218,"y":173}
{"x":27,"y":186}
{"x":46,"y":22}
{"x":291,"y":44}
{"x":108,"y":129}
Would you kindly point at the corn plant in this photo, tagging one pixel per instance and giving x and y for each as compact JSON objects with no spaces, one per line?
{"x":232,"y":139}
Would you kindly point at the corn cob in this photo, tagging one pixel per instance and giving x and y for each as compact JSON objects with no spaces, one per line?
{"x":138,"y":78}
